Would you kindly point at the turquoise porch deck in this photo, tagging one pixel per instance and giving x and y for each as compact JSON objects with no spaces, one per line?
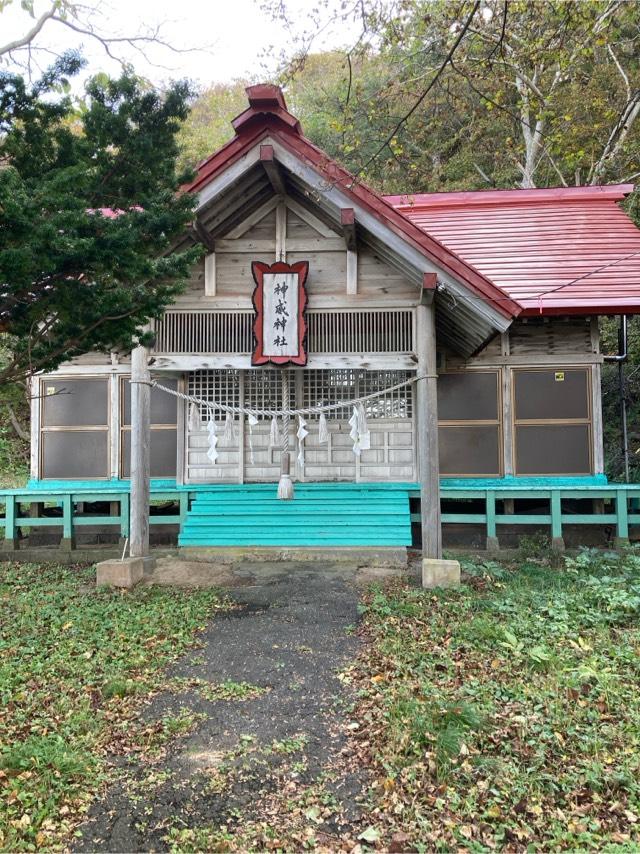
{"x":376,"y":509}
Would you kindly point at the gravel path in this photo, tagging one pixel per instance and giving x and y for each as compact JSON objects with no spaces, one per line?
{"x":291,"y":635}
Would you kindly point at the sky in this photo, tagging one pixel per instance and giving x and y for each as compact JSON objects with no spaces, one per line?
{"x":223,"y":39}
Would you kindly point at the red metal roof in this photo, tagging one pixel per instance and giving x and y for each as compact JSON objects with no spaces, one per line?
{"x":550,"y":251}
{"x":566,"y":250}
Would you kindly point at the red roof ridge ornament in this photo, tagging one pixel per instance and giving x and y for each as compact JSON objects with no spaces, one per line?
{"x":266,"y":102}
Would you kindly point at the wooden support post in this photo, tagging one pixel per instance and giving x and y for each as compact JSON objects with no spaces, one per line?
{"x":348,"y":222}
{"x":427,"y":428}
{"x":622,"y":515}
{"x":210,"y":275}
{"x":10,"y":530}
{"x":557,"y":542}
{"x":124,"y":516}
{"x":492,"y":544}
{"x":140,"y":453}
{"x":67,"y":541}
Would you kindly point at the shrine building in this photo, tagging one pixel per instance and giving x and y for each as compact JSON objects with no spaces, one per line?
{"x":438,"y":355}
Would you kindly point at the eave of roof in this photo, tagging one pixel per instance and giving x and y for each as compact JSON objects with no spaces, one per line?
{"x":564,"y":250}
{"x":556,"y":251}
{"x":264,"y":119}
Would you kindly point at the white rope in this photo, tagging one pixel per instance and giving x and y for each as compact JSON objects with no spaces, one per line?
{"x":285,"y":413}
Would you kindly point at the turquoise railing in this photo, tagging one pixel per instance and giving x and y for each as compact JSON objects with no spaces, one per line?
{"x":481,"y":502}
{"x":612,"y":504}
{"x":69,"y":517}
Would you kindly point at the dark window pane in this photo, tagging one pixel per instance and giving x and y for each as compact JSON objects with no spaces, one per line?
{"x":164,"y":407}
{"x":164,"y":453}
{"x":553,"y":449}
{"x":75,"y":403}
{"x":552,"y":394}
{"x":76,"y":454}
{"x":471,"y":449}
{"x":469,"y":396}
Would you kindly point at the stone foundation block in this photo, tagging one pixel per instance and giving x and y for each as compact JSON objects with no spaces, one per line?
{"x":122,"y":573}
{"x":440,"y":573}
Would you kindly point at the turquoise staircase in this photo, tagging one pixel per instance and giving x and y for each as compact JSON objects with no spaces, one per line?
{"x":319,"y":515}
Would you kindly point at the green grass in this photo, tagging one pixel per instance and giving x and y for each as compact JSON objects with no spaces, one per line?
{"x":74,"y":664}
{"x":506,"y":713}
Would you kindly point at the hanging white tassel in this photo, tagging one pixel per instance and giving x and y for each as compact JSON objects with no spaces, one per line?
{"x":251,"y":421}
{"x":229,"y":434}
{"x":285,"y":485}
{"x":212,"y":453}
{"x":302,"y":435}
{"x":194,"y":418}
{"x":275,"y":439}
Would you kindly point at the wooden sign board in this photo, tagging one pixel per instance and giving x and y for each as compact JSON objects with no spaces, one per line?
{"x":280,"y":302}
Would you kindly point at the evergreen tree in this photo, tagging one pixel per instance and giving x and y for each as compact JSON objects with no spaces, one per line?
{"x":89,"y":211}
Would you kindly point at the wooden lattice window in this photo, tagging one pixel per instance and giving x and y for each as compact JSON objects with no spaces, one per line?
{"x":322,"y":387}
{"x":216,"y":386}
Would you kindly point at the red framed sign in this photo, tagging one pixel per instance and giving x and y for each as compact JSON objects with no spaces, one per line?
{"x":280,"y":303}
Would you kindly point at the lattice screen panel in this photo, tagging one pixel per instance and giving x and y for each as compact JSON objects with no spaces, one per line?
{"x":323,"y":387}
{"x":216,"y":387}
{"x":391,"y":456}
{"x":231,"y":332}
{"x":263,"y":389}
{"x":205,"y":332}
{"x":360,"y":332}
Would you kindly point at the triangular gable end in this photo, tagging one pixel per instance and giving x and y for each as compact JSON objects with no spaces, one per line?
{"x":269,"y":157}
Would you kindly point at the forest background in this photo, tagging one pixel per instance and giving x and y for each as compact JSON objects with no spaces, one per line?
{"x":441,"y":96}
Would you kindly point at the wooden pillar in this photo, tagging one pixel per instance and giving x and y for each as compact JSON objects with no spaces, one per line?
{"x":427,"y":426}
{"x":140,"y":456}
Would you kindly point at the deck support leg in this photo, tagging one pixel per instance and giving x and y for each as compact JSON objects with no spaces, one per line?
{"x":492,"y":544}
{"x":10,"y":530}
{"x":557,"y":540}
{"x":622,"y":515}
{"x":67,"y":543}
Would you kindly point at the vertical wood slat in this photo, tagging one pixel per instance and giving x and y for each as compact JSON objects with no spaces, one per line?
{"x":209,"y":332}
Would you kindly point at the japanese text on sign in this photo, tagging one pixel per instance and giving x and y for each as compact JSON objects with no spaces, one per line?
{"x":280,"y":318}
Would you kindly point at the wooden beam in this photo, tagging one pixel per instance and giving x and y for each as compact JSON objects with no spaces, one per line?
{"x":352,"y":272}
{"x":210,"y":275}
{"x":140,"y":452}
{"x":274,"y":174}
{"x":427,"y":424}
{"x":203,"y":235}
{"x":281,"y":232}
{"x":429,"y":285}
{"x":348,"y":222}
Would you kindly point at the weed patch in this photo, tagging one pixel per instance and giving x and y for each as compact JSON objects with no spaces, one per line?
{"x":506,"y":713}
{"x":73,"y":667}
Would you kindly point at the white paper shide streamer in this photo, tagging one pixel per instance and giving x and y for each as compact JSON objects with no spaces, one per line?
{"x":251,"y":421}
{"x":323,"y":430}
{"x":302,"y":435}
{"x":275,"y":439}
{"x":212,"y":452}
{"x":359,"y":433}
{"x":194,"y":418}
{"x":229,"y":433}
